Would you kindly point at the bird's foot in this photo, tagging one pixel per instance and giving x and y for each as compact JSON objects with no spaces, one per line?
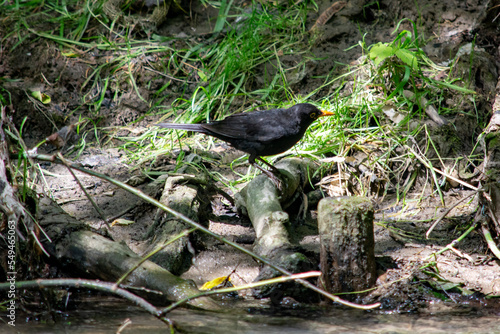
{"x":276,"y":180}
{"x":274,"y":174}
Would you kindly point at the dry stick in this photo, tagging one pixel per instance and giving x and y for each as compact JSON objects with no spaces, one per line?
{"x":428,"y":107}
{"x":441,"y":172}
{"x":94,"y":204}
{"x":118,"y":215}
{"x":327,"y":14}
{"x":487,"y":235}
{"x":125,"y":324}
{"x":446,"y":213}
{"x":452,"y":244}
{"x":90,"y":284}
{"x":180,"y":216}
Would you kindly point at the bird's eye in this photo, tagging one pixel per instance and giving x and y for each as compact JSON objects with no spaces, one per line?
{"x":313,"y":115}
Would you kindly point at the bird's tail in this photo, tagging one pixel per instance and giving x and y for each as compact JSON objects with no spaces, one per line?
{"x":187,"y":127}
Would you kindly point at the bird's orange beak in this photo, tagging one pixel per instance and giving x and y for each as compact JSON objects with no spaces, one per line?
{"x":326,"y":113}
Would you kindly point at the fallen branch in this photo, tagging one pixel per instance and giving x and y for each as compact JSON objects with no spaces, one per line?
{"x":93,"y":254}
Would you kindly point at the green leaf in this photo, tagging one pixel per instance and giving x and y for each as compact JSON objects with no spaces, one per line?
{"x":407,"y":57}
{"x":446,"y":286}
{"x":380,"y":51}
{"x":452,"y":86}
{"x":42,"y":97}
{"x":70,"y":54}
{"x":122,"y":222}
{"x":401,"y":84}
{"x":202,"y":76}
{"x":404,"y":39}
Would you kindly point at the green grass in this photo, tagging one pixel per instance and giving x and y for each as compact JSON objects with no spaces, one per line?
{"x":240,"y":68}
{"x":233,"y":74}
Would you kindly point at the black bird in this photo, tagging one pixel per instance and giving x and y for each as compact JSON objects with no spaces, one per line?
{"x":260,"y":133}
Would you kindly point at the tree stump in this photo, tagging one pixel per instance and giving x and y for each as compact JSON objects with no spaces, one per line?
{"x":347,"y":247}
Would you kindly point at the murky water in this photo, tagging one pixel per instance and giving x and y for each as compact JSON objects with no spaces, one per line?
{"x":111,"y":314}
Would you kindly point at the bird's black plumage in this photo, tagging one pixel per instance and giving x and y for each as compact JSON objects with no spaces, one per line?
{"x":260,"y":133}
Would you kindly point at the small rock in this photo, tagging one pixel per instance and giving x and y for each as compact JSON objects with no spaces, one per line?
{"x":449,"y":16}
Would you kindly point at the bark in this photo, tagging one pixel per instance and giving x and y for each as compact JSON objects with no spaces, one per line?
{"x":347,"y":244}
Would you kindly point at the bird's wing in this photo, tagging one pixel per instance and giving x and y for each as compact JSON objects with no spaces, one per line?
{"x":262,"y":126}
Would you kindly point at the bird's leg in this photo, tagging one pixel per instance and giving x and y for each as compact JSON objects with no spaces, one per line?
{"x":274,"y":179}
{"x":273,"y":169}
{"x":273,"y":174}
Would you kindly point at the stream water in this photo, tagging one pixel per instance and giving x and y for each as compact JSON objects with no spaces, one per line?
{"x":107,"y":315}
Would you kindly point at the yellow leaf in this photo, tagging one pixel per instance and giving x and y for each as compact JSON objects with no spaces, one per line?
{"x":122,"y":222}
{"x":70,"y":54}
{"x":215,"y":282}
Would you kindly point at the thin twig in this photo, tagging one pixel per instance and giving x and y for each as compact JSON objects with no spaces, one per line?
{"x":434,"y":169}
{"x":454,"y":242}
{"x":446,"y":213}
{"x":487,"y":235}
{"x":118,"y":215}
